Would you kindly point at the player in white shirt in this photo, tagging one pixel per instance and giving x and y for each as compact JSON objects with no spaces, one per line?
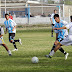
{"x":2,"y":41}
{"x":11,"y":27}
{"x":52,"y":17}
{"x":68,"y":40}
{"x":53,"y":21}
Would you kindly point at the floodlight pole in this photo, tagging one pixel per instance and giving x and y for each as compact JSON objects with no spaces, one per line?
{"x":28,"y":13}
{"x":5,"y":6}
{"x":59,"y":10}
{"x":0,"y":9}
{"x":42,"y":8}
{"x":63,"y":9}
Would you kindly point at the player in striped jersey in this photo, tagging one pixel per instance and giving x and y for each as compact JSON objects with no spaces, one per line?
{"x":68,"y":40}
{"x":11,"y":27}
{"x":60,"y":35}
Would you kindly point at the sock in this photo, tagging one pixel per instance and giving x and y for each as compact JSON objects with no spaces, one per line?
{"x":16,"y":40}
{"x":9,"y":52}
{"x":61,"y":49}
{"x":53,"y":47}
{"x":14,"y":45}
{"x":51,"y":53}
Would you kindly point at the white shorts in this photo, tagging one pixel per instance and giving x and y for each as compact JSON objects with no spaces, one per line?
{"x":67,"y":41}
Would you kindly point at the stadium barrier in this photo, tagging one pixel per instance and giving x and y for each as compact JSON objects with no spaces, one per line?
{"x":33,"y":20}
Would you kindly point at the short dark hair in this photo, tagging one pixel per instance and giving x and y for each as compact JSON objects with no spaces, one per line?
{"x":55,"y":10}
{"x":9,"y":13}
{"x":56,"y":15}
{"x":71,"y":18}
{"x":6,"y":14}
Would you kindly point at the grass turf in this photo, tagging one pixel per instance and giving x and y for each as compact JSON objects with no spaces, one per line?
{"x":36,"y":42}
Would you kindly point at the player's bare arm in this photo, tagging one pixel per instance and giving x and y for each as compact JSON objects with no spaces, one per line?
{"x":59,"y":28}
{"x":6,"y":31}
{"x":14,"y":28}
{"x":1,"y":36}
{"x":51,"y":20}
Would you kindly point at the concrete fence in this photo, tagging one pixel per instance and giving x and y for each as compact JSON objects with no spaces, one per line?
{"x":33,"y":20}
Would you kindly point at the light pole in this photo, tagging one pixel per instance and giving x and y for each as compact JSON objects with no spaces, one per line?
{"x":42,"y":7}
{"x":28,"y":11}
{"x":0,"y":8}
{"x":5,"y":6}
{"x":63,"y":9}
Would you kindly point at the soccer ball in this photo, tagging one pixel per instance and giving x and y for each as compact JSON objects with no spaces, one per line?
{"x":34,"y":60}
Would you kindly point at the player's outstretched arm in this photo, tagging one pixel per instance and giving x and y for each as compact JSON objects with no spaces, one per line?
{"x":51,"y":20}
{"x":1,"y":35}
{"x":14,"y":28}
{"x":59,"y":28}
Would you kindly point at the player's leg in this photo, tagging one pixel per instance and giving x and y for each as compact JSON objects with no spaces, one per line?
{"x":9,"y":52}
{"x":66,"y":42}
{"x":50,"y":56}
{"x":11,"y":39}
{"x":52,"y":50}
{"x":19,"y":40}
{"x":57,"y":46}
{"x":66,"y":54}
{"x":4,"y":45}
{"x":60,"y":49}
{"x":55,"y":49}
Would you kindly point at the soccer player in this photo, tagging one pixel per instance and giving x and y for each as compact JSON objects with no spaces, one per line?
{"x":53,"y":21}
{"x":11,"y":27}
{"x":68,"y":40}
{"x":60,"y":35}
{"x":2,"y":41}
{"x":11,"y":17}
{"x":52,"y":17}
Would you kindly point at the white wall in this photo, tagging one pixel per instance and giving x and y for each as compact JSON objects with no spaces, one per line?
{"x":33,"y":20}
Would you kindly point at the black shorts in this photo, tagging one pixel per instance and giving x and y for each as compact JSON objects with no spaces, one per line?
{"x":59,"y":39}
{"x":11,"y":36}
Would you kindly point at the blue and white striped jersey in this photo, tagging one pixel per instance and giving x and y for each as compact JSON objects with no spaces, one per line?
{"x":9,"y":24}
{"x":62,"y":32}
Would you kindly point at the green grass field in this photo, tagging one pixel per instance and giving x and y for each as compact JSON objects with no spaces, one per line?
{"x":36,"y":42}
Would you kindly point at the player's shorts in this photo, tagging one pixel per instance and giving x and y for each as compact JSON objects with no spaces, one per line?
{"x":67,"y":41}
{"x":11,"y":36}
{"x":59,"y":39}
{"x":1,"y":41}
